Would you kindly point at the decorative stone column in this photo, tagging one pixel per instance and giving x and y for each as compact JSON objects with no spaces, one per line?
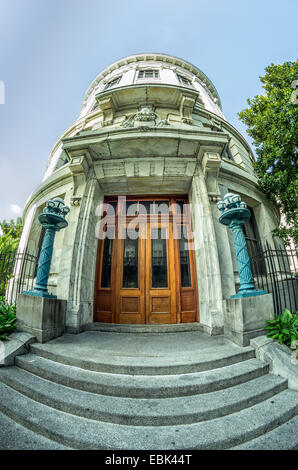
{"x":38,"y":312}
{"x":235,"y":214}
{"x":52,"y":219}
{"x":247,"y":311}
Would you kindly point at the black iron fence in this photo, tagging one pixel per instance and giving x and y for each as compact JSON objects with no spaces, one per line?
{"x":276,"y":271}
{"x":17,"y":273}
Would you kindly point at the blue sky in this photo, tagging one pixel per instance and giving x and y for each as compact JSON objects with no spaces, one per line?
{"x":50,"y":51}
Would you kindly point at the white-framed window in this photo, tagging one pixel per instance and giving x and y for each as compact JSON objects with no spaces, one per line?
{"x":113,"y":82}
{"x":95,"y":106}
{"x":227,"y":153}
{"x":183,"y":80}
{"x":148,"y":73}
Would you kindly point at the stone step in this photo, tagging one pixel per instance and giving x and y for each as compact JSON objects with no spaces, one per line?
{"x":143,"y":386}
{"x":284,"y":437}
{"x":82,"y":433}
{"x":13,"y":436}
{"x":136,"y":364}
{"x":143,"y":411}
{"x":125,"y":328}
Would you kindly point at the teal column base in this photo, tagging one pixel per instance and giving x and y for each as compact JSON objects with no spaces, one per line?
{"x":252,"y":293}
{"x":39,"y":293}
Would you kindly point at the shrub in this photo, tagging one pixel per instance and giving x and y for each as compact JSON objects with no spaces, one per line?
{"x":7,"y":318}
{"x":284,"y":328}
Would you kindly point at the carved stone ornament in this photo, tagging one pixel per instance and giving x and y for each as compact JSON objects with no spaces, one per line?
{"x":145,"y":119}
{"x":75,"y":200}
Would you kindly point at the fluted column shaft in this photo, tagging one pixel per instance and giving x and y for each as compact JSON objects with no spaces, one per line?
{"x":244,"y":269}
{"x":44,"y":262}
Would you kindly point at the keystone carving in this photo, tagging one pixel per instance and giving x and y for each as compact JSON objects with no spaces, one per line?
{"x":144,"y":120}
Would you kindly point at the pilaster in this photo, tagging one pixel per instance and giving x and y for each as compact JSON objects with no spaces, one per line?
{"x":211,"y":305}
{"x":83,"y":260}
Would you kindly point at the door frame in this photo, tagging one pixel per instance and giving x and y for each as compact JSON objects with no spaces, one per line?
{"x":186,"y":298}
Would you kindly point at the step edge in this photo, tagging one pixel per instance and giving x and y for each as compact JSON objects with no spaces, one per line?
{"x":258,"y":440}
{"x":121,"y":417}
{"x":52,"y":445}
{"x":162,"y":369}
{"x":84,"y":384}
{"x":224,"y":444}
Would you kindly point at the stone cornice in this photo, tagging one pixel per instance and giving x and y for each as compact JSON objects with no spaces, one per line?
{"x":132,"y":142}
{"x":166,"y":100}
{"x":198,"y":110}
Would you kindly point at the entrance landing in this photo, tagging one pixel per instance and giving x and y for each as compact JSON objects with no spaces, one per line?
{"x":143,"y":353}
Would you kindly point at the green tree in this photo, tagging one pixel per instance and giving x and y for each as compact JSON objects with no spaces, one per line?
{"x":11,"y":235}
{"x":13,"y":227}
{"x":9,"y":242}
{"x":272,"y":123}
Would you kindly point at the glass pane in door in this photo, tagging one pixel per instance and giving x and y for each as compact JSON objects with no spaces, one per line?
{"x":159,"y":258}
{"x":184,"y":262}
{"x":130,"y":260}
{"x":107,"y":262}
{"x":145,"y":207}
{"x":162,"y":207}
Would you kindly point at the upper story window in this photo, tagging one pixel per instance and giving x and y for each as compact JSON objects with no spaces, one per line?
{"x":227,"y":153}
{"x":113,"y":82}
{"x":95,"y":106}
{"x":183,"y":80}
{"x":148,"y":73}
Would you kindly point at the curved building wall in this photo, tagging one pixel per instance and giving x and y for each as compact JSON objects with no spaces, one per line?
{"x":148,"y":135}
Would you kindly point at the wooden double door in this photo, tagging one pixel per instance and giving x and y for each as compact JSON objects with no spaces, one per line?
{"x":145,"y":268}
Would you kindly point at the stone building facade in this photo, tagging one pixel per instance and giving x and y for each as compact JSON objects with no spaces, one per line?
{"x":151,"y":128}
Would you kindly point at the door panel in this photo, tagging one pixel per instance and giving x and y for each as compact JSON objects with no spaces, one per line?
{"x":104,"y":300}
{"x":160,"y":275}
{"x":187,"y":277}
{"x":130,"y":286}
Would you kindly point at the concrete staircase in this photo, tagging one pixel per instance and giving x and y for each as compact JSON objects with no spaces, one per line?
{"x":83,"y":392}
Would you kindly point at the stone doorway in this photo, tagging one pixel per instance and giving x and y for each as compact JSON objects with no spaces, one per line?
{"x":145,"y":263}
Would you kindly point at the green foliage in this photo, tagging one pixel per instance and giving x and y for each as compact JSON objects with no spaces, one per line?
{"x":13,"y":227}
{"x":284,"y":328}
{"x":9,"y":242}
{"x":7,"y":318}
{"x":11,"y":235}
{"x":272,"y":123}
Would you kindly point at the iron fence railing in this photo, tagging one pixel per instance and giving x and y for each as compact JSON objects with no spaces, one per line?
{"x":17,"y":273}
{"x":276,"y":271}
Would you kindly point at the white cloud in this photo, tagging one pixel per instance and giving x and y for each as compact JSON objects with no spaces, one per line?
{"x":15,"y":209}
